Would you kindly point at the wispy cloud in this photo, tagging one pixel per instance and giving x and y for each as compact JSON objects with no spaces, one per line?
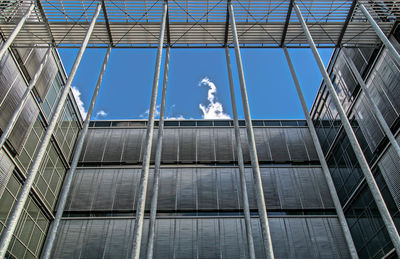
{"x":101,"y":113}
{"x":214,"y":109}
{"x":79,"y":102}
{"x":178,"y":117}
{"x":145,"y":115}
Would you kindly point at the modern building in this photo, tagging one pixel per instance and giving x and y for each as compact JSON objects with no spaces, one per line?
{"x":347,"y":209}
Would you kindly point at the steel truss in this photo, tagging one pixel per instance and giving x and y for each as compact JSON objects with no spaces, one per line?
{"x":197,"y":24}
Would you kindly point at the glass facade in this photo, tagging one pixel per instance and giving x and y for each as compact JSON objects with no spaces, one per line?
{"x":17,"y":68}
{"x":382,"y":77}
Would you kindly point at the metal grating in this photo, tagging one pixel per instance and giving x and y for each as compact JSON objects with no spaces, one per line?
{"x":198,"y":23}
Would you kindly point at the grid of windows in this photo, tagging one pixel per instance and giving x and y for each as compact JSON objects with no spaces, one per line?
{"x":32,"y":227}
{"x":382,"y":78}
{"x":23,"y":143}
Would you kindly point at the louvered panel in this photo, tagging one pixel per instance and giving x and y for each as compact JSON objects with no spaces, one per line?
{"x":250,"y":188}
{"x":245,"y":145}
{"x":170,"y":146}
{"x":262,"y":145}
{"x":96,"y":143}
{"x":299,"y":239}
{"x":12,"y":88}
{"x":232,"y":243}
{"x":135,"y":185}
{"x":6,"y":168}
{"x":227,"y":189}
{"x":114,"y":145}
{"x":308,"y":191}
{"x":94,"y":240}
{"x":143,"y":245}
{"x":105,"y":193}
{"x":223,"y":144}
{"x":187,"y":145}
{"x":48,"y":73}
{"x":85,"y":145}
{"x":133,"y":145}
{"x":208,"y":238}
{"x":207,"y":188}
{"x":164,"y":238}
{"x":278,"y":146}
{"x":153,"y":146}
{"x":167,"y":191}
{"x":269,"y":183}
{"x":320,"y":183}
{"x":390,"y":168}
{"x":83,"y":192}
{"x":149,"y":189}
{"x":25,"y":121}
{"x":321,"y":238}
{"x":297,"y":149}
{"x":257,"y":237}
{"x":279,"y":238}
{"x":69,"y":242}
{"x":340,"y":245}
{"x":186,"y":189}
{"x":312,"y":153}
{"x":125,"y":193}
{"x":205,"y":145}
{"x":185,"y":238}
{"x":288,"y":192}
{"x":118,"y":241}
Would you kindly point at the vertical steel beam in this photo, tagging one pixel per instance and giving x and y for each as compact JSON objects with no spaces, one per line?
{"x":31,"y":175}
{"x":154,"y":198}
{"x":51,"y":236}
{"x":24,"y":99}
{"x":393,"y":52}
{"x":246,"y":207}
{"x":144,"y":178}
{"x":16,"y":30}
{"x":321,"y":157}
{"x":369,"y":178}
{"x":262,"y":210}
{"x":374,"y":106}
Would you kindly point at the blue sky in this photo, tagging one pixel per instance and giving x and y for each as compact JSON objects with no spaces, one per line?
{"x":126,"y":88}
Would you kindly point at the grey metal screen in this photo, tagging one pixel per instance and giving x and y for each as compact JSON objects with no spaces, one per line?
{"x":292,"y":237}
{"x":202,"y":189}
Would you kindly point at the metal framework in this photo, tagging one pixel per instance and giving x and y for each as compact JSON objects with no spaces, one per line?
{"x":198,"y":24}
{"x":202,"y":23}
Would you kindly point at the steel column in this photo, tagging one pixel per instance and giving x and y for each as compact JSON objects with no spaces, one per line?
{"x":15,"y":32}
{"x":321,"y":157}
{"x":154,"y":198}
{"x":380,"y":203}
{"x":262,"y":210}
{"x":375,"y":107}
{"x":51,"y":236}
{"x":393,"y":52}
{"x":137,"y":235}
{"x":24,"y":99}
{"x":31,"y":175}
{"x":246,"y":207}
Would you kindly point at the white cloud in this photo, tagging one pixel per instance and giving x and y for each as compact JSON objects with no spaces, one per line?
{"x":79,"y":102}
{"x":214,"y":109}
{"x":179,"y":117}
{"x":101,"y":113}
{"x":145,"y":115}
